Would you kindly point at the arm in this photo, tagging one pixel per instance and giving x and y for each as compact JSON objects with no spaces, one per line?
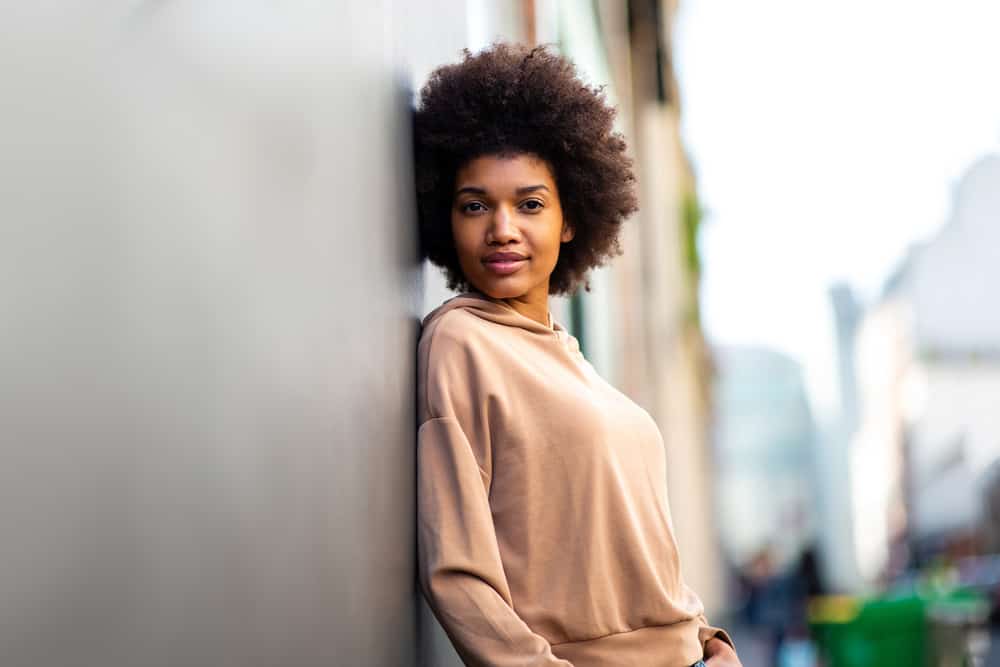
{"x":460,"y":570}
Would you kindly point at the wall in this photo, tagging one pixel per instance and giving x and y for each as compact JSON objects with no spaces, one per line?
{"x":209,"y":331}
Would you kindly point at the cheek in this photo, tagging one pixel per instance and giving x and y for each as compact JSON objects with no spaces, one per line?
{"x":464,"y":244}
{"x":555,"y":235}
{"x":456,"y":233}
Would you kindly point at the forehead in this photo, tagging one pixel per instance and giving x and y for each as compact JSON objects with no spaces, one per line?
{"x":505,"y":171}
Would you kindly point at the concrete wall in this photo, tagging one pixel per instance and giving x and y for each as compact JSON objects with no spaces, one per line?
{"x":209,"y":322}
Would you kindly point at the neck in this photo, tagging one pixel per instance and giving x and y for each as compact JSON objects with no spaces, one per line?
{"x":537,"y":312}
{"x":533,"y":304}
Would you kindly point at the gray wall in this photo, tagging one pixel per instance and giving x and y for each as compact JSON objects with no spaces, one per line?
{"x":209,"y":317}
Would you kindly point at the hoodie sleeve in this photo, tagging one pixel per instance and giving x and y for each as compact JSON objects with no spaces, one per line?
{"x":706,"y":632}
{"x":460,"y":570}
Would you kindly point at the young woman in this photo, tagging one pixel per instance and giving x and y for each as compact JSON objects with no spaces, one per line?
{"x":544,"y":532}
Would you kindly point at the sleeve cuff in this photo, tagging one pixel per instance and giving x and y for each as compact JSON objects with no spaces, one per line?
{"x":706,"y":632}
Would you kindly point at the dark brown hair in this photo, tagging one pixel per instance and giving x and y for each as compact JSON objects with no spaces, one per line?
{"x":511,"y":99}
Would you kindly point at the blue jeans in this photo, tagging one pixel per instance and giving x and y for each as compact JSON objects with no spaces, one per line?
{"x":700,"y":663}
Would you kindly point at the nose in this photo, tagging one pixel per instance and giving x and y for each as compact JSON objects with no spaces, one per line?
{"x":502,"y":229}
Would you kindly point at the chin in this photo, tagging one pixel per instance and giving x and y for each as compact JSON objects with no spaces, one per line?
{"x":500,"y":290}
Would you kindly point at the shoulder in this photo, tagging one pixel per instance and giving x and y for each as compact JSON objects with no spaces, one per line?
{"x":449,"y":325}
{"x":452,"y":352}
{"x":456,"y":332}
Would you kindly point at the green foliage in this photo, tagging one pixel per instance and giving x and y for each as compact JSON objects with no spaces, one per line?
{"x":691,"y":217}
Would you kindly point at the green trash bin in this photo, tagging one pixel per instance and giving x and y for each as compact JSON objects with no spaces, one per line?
{"x":942,"y":629}
{"x":881,"y":632}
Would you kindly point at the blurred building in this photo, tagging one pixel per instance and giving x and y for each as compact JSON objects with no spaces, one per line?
{"x":951,"y":400}
{"x":764,"y":444}
{"x":836,"y":527}
{"x":876,"y":454}
{"x":929,"y":376}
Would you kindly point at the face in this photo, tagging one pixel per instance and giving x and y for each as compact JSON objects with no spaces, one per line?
{"x":507,"y":224}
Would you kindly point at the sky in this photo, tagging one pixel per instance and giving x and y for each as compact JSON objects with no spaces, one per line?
{"x":826,"y":137}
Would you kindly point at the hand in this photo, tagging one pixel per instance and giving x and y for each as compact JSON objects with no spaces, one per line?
{"x":720,"y":654}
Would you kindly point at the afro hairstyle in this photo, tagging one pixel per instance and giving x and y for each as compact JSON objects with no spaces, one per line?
{"x":507,"y":100}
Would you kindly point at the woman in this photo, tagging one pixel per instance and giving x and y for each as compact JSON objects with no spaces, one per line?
{"x":544,"y":531}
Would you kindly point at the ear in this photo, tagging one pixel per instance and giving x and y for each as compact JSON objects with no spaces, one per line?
{"x":568,"y":232}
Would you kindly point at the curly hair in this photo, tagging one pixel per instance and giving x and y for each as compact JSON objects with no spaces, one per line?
{"x":511,"y":99}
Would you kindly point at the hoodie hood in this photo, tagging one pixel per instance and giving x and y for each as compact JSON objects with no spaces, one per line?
{"x":500,"y":312}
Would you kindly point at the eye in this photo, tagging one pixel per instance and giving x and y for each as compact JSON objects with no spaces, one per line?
{"x":473,"y":207}
{"x":533,"y":205}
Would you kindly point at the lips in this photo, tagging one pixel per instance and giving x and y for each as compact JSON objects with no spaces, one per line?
{"x":504,"y":263}
{"x":504,"y":257}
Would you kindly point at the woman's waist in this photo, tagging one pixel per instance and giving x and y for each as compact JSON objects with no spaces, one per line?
{"x":671,"y":645}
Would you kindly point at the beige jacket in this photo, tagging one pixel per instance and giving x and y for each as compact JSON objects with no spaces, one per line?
{"x":544,"y":532}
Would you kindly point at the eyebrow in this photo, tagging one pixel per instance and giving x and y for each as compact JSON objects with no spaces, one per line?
{"x":472,"y":189}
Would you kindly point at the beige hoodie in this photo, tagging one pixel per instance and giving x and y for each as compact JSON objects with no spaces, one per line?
{"x":544,"y":532}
